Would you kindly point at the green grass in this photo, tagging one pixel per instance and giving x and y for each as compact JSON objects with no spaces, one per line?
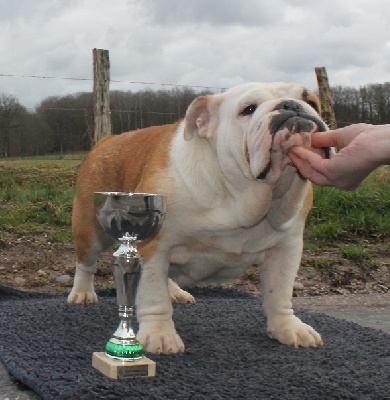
{"x":355,"y":252}
{"x":364,"y":212}
{"x":65,"y":158}
{"x":318,"y":263}
{"x":311,"y":247}
{"x":37,"y":197}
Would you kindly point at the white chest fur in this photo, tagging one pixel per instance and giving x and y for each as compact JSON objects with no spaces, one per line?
{"x":209,"y":254}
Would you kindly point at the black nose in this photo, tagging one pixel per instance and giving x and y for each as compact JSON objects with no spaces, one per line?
{"x":293,"y":115}
{"x":288,"y":111}
{"x":290,"y":105}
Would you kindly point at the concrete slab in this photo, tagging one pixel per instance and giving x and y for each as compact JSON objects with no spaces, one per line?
{"x":369,"y":310}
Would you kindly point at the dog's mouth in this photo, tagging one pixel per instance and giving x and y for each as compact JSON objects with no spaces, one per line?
{"x":263,"y":174}
{"x":290,"y":125}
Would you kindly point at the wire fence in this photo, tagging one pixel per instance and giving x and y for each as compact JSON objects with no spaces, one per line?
{"x":64,"y":123}
{"x":124,"y":82}
{"x":116,"y":81}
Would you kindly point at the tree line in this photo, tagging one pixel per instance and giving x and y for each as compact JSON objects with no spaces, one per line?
{"x":65,"y":124}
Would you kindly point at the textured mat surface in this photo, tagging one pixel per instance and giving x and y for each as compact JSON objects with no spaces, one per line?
{"x":47,"y":345}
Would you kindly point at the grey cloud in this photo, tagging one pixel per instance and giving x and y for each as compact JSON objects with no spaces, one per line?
{"x":215,"y":43}
{"x":217,"y":12}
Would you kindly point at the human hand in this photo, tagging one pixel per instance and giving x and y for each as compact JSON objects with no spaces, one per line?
{"x":363,"y":148}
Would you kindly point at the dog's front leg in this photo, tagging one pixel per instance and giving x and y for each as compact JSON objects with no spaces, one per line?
{"x":157,"y":331}
{"x":277,"y":275}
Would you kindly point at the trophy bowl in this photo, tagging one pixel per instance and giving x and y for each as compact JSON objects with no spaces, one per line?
{"x":138,"y":214}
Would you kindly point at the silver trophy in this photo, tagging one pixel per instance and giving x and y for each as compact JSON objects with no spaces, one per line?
{"x":129,"y":218}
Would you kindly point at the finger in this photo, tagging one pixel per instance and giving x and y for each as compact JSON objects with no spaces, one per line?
{"x":338,"y":138}
{"x":306,"y":169}
{"x":306,"y":155}
{"x":325,"y":139}
{"x":297,"y":161}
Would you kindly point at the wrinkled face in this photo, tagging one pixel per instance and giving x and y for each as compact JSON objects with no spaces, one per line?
{"x":252,"y":126}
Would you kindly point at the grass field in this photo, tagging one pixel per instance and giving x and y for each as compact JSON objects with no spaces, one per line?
{"x":346,"y":240}
{"x":36,"y":196}
{"x":364,"y":212}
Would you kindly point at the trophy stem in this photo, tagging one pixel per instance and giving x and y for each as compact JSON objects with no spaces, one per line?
{"x":127,"y":270}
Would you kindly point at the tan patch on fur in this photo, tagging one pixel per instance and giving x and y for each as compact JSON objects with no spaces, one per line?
{"x":134,"y":161}
{"x":310,"y":97}
{"x":148,"y":247}
{"x":308,"y":201}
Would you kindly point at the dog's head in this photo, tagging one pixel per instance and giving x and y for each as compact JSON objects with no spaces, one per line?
{"x":255,"y":124}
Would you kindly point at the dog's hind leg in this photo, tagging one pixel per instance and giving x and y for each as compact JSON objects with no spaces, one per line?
{"x":83,"y":291}
{"x":178,"y":295}
{"x":90,"y":240}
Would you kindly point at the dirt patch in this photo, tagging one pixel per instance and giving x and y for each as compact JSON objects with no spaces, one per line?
{"x":33,"y":263}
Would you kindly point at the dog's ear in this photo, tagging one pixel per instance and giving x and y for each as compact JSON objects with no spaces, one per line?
{"x":197,"y":118}
{"x":312,"y":99}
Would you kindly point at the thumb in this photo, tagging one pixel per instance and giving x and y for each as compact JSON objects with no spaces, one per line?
{"x":305,"y":155}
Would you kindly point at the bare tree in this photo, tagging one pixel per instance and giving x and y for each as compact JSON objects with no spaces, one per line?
{"x":65,"y":124}
{"x":370,"y":104}
{"x":69,"y":119}
{"x":10,"y":109}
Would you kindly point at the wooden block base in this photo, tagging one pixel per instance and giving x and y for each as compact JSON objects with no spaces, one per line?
{"x":117,"y":369}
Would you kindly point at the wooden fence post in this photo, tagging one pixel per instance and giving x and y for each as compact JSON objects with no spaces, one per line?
{"x":328,"y":114}
{"x":101,"y":95}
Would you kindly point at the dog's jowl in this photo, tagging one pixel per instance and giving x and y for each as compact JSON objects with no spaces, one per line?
{"x":233,"y":200}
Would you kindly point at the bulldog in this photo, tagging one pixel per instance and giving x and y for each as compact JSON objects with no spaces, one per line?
{"x":233,"y":200}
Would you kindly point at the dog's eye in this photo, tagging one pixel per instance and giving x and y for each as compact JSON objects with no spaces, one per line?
{"x":249,"y":110}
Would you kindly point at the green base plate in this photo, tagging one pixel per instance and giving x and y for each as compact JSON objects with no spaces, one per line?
{"x":133,"y":351}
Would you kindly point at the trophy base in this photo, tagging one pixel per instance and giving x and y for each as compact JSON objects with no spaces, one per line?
{"x":117,"y":369}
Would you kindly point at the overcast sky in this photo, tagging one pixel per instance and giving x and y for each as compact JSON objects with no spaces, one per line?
{"x":212,"y":43}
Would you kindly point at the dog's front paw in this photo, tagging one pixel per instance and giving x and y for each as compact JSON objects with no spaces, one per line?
{"x":160,"y":337}
{"x":82,"y":297}
{"x":290,"y":330}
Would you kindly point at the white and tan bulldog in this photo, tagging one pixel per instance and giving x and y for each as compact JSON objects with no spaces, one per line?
{"x":234,"y":201}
